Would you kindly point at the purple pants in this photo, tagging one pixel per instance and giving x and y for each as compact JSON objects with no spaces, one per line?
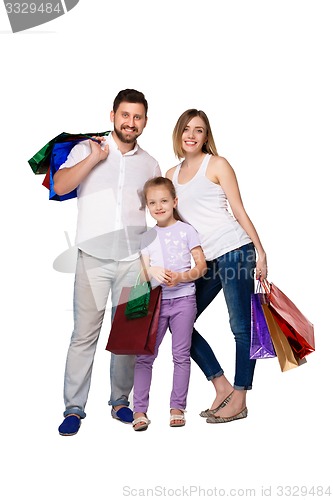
{"x":178,"y":315}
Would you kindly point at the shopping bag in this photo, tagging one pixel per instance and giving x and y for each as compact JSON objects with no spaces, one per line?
{"x":40,"y":162}
{"x":138,"y":300}
{"x":295,"y":326}
{"x":60,"y":152}
{"x":51,"y":156}
{"x":261,"y":343}
{"x":135,"y":336}
{"x":286,"y":357}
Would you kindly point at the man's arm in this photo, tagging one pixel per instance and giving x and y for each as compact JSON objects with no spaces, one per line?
{"x":67,"y":179}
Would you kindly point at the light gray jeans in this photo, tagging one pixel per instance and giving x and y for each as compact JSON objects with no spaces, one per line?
{"x":94,"y":279}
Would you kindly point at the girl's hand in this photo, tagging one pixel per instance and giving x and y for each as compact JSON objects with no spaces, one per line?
{"x":174,"y":279}
{"x":261,"y":268}
{"x":160,"y":274}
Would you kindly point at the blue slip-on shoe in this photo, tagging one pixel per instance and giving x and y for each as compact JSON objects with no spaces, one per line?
{"x":124,"y":414}
{"x":70,"y":425}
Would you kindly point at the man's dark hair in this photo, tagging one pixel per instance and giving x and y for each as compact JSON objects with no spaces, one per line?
{"x":130,"y":95}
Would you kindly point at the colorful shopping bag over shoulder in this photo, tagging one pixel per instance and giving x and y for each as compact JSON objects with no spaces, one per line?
{"x":59,"y":155}
{"x":261,"y":343}
{"x":49,"y":158}
{"x":296,"y":327}
{"x":138,"y":335}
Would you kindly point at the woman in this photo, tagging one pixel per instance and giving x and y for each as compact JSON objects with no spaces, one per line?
{"x":205,"y":184}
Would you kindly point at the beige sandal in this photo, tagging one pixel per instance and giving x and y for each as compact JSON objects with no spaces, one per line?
{"x":177,"y":420}
{"x":145,"y":422}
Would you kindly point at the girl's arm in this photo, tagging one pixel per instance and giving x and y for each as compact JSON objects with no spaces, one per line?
{"x":199,"y":269}
{"x":225,"y":176}
{"x":160,"y":274}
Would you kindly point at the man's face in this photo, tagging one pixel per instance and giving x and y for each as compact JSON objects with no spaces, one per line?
{"x":129,"y":121}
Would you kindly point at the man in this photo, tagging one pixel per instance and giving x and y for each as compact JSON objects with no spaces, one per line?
{"x":109,"y":174}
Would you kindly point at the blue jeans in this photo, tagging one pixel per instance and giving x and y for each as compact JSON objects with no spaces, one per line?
{"x":234,"y":273}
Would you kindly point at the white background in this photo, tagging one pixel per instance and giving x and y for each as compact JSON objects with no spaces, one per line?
{"x":262,"y":72}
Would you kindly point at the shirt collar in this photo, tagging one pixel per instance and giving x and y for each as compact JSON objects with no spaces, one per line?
{"x":114,"y":146}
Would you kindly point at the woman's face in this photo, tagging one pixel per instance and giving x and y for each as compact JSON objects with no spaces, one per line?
{"x":194,"y":136}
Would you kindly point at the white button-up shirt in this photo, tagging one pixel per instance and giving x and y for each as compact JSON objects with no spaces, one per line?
{"x":111,"y":209}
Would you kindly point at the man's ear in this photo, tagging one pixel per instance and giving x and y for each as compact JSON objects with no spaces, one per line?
{"x":112,"y":116}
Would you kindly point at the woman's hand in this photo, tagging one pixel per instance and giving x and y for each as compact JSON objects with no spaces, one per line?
{"x":261,"y":268}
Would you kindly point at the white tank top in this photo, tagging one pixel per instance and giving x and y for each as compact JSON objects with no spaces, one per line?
{"x":203,"y":204}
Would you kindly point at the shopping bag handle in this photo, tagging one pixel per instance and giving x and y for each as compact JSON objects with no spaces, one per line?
{"x":144,"y":271}
{"x":266,"y":285}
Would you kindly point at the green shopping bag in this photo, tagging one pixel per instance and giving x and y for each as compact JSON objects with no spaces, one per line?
{"x":138,"y":300}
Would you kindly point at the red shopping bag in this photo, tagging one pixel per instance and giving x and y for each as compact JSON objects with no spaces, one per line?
{"x":135,"y":336}
{"x":295,"y":326}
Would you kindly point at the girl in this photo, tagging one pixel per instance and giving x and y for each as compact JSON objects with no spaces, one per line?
{"x":166,"y":251}
{"x":205,"y":183}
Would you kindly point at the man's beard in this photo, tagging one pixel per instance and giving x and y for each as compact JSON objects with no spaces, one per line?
{"x":123,"y":138}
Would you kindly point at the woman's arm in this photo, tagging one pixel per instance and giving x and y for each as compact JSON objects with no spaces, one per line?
{"x":169,"y":173}
{"x":223,"y":173}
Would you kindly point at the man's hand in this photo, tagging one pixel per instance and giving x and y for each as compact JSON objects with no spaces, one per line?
{"x":99,"y":150}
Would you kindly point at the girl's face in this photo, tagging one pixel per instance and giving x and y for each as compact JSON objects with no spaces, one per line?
{"x":160,"y":204}
{"x":194,"y":135}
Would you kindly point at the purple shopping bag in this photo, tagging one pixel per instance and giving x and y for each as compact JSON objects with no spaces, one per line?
{"x":261,"y":342}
